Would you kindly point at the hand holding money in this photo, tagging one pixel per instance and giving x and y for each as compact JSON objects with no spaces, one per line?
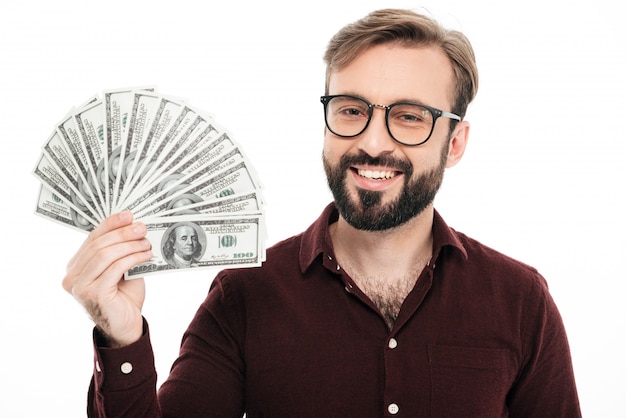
{"x":168,"y":163}
{"x":94,"y":273}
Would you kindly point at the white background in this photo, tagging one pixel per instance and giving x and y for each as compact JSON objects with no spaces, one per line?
{"x":542,"y":180}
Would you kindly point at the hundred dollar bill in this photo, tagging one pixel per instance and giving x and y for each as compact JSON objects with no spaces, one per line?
{"x":135,"y":165}
{"x":168,"y":187}
{"x":52,"y":207}
{"x":50,"y":178}
{"x":206,"y":160}
{"x":144,"y":111}
{"x":190,"y":121}
{"x":90,"y":123}
{"x":191,"y":242}
{"x":148,"y":168}
{"x":65,"y":166}
{"x":234,"y":178}
{"x":190,"y":148}
{"x":185,"y":123}
{"x":72,"y":140}
{"x":230,"y":205}
{"x":117,"y":106}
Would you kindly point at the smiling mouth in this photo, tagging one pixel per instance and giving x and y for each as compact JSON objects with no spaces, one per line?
{"x":377,"y":174}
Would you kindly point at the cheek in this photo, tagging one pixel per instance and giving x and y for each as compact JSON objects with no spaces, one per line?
{"x":424,"y":163}
{"x":334,"y":148}
{"x":327,"y":150}
{"x":429,"y":154}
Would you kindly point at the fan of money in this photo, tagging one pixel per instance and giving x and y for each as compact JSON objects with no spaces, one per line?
{"x":170,"y":164}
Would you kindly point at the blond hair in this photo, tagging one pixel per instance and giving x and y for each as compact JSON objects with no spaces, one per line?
{"x":407,"y":29}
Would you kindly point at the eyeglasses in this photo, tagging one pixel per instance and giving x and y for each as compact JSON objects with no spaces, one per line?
{"x":408,"y":123}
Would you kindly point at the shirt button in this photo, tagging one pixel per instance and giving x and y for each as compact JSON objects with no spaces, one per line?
{"x":393,"y":408}
{"x":393,"y":343}
{"x":126,"y":368}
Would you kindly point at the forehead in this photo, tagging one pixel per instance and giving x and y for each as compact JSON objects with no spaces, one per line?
{"x":185,"y":230}
{"x":387,"y":73}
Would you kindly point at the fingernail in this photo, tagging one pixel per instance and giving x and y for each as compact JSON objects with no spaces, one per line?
{"x":139,"y":228}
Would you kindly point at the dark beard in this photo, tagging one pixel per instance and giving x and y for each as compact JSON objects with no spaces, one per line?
{"x":369,"y":213}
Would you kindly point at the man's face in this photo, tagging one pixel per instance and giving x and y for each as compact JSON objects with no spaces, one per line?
{"x":378,"y":183}
{"x":186,"y":242}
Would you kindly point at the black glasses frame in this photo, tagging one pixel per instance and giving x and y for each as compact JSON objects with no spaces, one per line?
{"x":437,"y":113}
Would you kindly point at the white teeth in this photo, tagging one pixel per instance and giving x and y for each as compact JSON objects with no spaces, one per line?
{"x":377,"y":175}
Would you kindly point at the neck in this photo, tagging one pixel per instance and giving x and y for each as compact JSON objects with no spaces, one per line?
{"x":385,"y":265}
{"x":390,"y":253}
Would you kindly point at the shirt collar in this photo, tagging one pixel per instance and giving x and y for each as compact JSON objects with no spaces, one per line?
{"x":316,"y":239}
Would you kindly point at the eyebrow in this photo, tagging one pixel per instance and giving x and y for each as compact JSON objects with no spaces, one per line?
{"x":406,"y":99}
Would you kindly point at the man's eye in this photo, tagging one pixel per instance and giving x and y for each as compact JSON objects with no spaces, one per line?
{"x":410,"y":117}
{"x":353,"y":111}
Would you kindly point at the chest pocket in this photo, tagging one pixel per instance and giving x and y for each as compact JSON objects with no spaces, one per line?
{"x":470,"y":381}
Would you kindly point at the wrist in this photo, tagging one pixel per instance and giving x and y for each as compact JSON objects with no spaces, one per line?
{"x":106,"y":340}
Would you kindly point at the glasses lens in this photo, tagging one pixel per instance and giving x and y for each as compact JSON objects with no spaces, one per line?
{"x":347,"y":116}
{"x":410,"y":123}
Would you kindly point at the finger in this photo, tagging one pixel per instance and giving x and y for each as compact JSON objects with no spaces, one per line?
{"x":112,"y":262}
{"x":115,"y":239}
{"x":115,"y":221}
{"x":111,"y":223}
{"x":105,"y":282}
{"x":93,"y":261}
{"x":93,"y":246}
{"x":133,"y":232}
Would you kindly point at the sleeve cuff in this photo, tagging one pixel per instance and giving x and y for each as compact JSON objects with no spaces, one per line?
{"x":124,"y":368}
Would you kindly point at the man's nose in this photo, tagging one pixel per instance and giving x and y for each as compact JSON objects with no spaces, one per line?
{"x":376,"y":139}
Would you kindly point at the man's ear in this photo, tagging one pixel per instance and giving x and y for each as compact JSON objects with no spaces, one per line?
{"x":458,"y":142}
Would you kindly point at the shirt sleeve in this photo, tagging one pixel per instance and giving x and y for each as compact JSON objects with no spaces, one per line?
{"x":207,"y":379}
{"x":546,"y":384}
{"x":124,"y":380}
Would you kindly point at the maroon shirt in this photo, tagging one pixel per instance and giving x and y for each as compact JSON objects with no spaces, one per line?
{"x":479,"y":336}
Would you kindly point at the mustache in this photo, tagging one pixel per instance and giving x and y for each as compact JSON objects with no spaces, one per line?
{"x":381,"y":160}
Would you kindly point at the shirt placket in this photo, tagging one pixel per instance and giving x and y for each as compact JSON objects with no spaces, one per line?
{"x":395,"y":356}
{"x":398,"y":350}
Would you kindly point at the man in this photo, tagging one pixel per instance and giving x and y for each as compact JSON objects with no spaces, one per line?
{"x":379,"y":308}
{"x":182,"y":249}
